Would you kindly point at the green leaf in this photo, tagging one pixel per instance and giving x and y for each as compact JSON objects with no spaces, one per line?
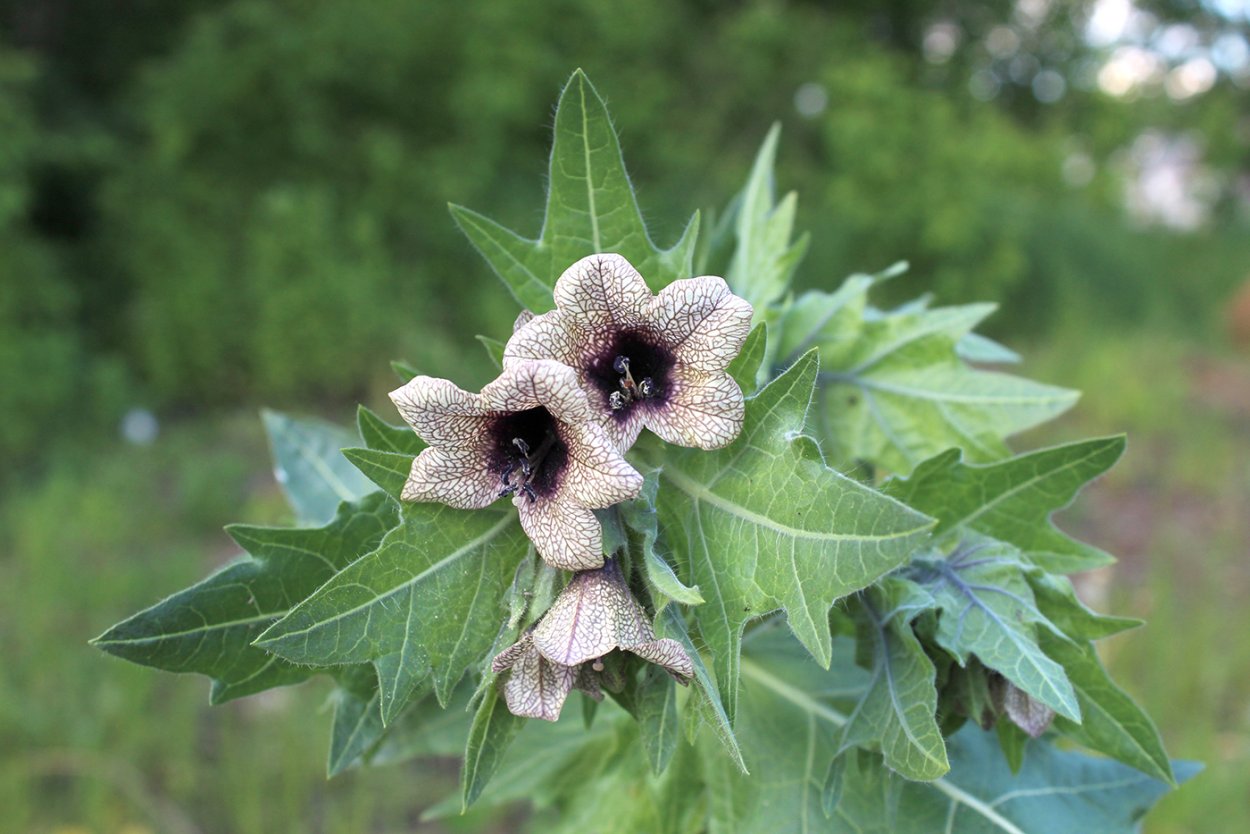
{"x":494,"y":350}
{"x":403,"y":370}
{"x":1111,"y":722}
{"x":705,"y":698}
{"x":427,"y":729}
{"x":652,"y":700}
{"x":640,"y":516}
{"x":764,"y":259}
{"x":591,"y":208}
{"x":1013,"y":500}
{"x":764,"y":524}
{"x":1057,"y":599}
{"x":790,"y":720}
{"x":894,"y":389}
{"x":745,"y":367}
{"x":895,"y":716}
{"x":433,"y":589}
{"x":357,"y":723}
{"x":382,"y":436}
{"x":1055,"y":792}
{"x":988,"y":610}
{"x":389,"y":470}
{"x":493,"y":730}
{"x":308,"y":466}
{"x":209,"y":627}
{"x":974,"y":347}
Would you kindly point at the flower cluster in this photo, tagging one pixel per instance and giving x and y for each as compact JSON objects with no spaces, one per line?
{"x":578,"y":386}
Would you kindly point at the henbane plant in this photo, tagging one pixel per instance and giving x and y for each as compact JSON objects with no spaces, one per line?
{"x":651,"y":511}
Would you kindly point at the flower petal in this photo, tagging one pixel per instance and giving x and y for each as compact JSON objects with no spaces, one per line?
{"x":455,"y":475}
{"x":582,"y":624}
{"x":534,"y":383}
{"x":702,"y":321}
{"x":566,"y":535}
{"x":549,"y":336}
{"x":703,"y":410}
{"x":441,"y":412}
{"x":536,"y":687}
{"x":597,"y":475}
{"x":668,"y":653}
{"x":602,"y":292}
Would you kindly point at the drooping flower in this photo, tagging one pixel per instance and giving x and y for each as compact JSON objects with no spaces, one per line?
{"x":530,"y":434}
{"x":646,"y":360}
{"x":594,"y":615}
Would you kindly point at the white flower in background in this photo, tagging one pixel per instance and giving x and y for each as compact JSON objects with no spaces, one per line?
{"x":594,"y":615}
{"x":645,"y":360}
{"x":531,"y":434}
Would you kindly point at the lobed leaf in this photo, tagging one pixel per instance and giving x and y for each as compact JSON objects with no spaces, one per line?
{"x":591,"y":208}
{"x":895,"y":715}
{"x":988,"y":610}
{"x":209,"y":627}
{"x":894,"y":388}
{"x":1013,"y":500}
{"x":763,"y":524}
{"x":433,"y":591}
{"x":764,"y":259}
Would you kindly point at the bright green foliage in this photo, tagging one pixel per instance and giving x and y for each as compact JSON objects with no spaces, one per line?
{"x":949,"y":579}
{"x":1013,"y":500}
{"x":894,"y":389}
{"x":764,"y":259}
{"x":429,"y":593}
{"x":209,"y":627}
{"x":590,"y":208}
{"x":764,"y":524}
{"x":988,"y":610}
{"x":896,"y":714}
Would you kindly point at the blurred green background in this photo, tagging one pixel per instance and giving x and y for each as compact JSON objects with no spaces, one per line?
{"x":210,"y":206}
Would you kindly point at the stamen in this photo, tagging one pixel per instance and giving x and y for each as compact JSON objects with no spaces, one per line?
{"x":597,"y":665}
{"x":629,"y":390}
{"x":527,"y":463}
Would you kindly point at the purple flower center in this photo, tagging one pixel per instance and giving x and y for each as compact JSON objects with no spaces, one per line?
{"x":631,"y":370}
{"x":528,"y":454}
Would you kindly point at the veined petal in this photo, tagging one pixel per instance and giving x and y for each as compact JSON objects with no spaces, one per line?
{"x":566,"y":535}
{"x":702,"y":321}
{"x":624,"y":431}
{"x":668,"y":653}
{"x":536,"y":687}
{"x":703,"y":410}
{"x":597,"y":475}
{"x":440,"y":412}
{"x":538,"y":383}
{"x":582,"y":624}
{"x":602,"y":292}
{"x":549,"y":336}
{"x":454,"y":475}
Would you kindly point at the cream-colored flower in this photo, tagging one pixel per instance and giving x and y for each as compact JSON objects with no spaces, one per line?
{"x":646,"y":360}
{"x":530,"y":434}
{"x":594,"y":615}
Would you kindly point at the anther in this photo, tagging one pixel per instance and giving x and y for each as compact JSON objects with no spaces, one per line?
{"x":617,"y":400}
{"x":621,"y":364}
{"x":646,"y":388}
{"x":597,"y":665}
{"x":521,"y":445}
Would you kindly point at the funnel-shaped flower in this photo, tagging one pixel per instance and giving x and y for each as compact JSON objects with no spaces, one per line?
{"x":594,"y":614}
{"x":529,"y":434}
{"x":646,"y":360}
